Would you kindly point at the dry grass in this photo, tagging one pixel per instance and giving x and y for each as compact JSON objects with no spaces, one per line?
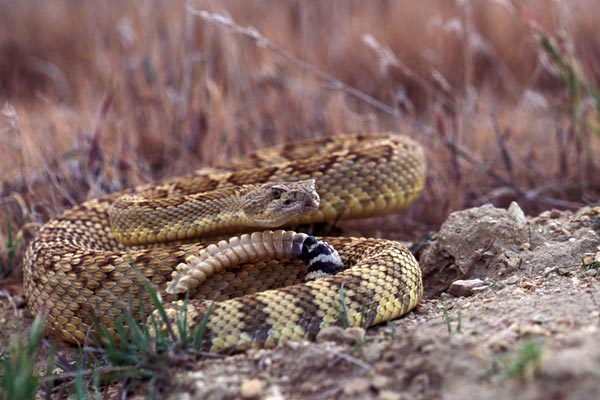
{"x":96,"y":96}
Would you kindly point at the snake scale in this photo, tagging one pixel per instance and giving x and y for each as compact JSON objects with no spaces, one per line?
{"x":77,"y":271}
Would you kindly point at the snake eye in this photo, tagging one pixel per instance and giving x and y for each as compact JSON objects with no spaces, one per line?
{"x":276,"y":193}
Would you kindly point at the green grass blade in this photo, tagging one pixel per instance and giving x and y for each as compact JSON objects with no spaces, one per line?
{"x":19,"y":379}
{"x":201,"y":328}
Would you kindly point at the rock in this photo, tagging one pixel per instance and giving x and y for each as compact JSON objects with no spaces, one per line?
{"x":591,"y":261}
{"x":489,"y":242}
{"x":516,"y":212}
{"x":274,"y":393}
{"x":349,"y":336}
{"x":372,"y":351}
{"x":501,"y":341}
{"x":462,"y":288}
{"x":390,"y":395}
{"x":251,"y":389}
{"x":357,"y":386}
{"x":380,"y":381}
{"x":484,"y":241}
{"x":539,"y":318}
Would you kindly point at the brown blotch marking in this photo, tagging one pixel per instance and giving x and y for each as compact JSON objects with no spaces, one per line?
{"x":259,"y":175}
{"x":327,"y":164}
{"x":309,"y":319}
{"x":252,"y":313}
{"x":363,"y":299}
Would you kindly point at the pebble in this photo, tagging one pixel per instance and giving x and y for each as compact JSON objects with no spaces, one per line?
{"x":516,"y":212}
{"x":337,"y":334}
{"x":251,"y":389}
{"x":538,"y":318}
{"x":531,"y":330}
{"x":381,"y":381}
{"x":564,"y":271}
{"x":372,"y":352}
{"x":196,"y":375}
{"x":575,"y":281}
{"x":389,"y":395}
{"x":588,"y":258}
{"x":461,"y":288}
{"x":446,"y":296}
{"x":501,"y":341}
{"x":274,"y":393}
{"x":555,"y":214}
{"x":357,"y":386}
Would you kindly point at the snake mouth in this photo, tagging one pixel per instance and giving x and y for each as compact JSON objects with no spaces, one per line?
{"x":311,"y":201}
{"x":297,"y":200}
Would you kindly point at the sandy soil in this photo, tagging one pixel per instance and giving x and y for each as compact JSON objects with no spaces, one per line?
{"x":527,"y":329}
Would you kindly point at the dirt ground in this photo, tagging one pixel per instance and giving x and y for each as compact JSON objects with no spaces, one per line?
{"x":528,"y":329}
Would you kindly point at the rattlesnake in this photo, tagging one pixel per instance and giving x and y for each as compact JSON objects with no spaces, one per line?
{"x":77,"y":270}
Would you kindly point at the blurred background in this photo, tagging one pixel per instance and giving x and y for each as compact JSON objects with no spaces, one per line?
{"x":99,"y":96}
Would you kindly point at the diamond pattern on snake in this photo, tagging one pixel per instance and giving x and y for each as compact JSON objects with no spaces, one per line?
{"x":265,"y":286}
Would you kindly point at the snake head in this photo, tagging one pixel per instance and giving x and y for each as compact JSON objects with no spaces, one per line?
{"x":271,"y":205}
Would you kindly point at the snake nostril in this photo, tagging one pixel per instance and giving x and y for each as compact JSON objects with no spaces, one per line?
{"x":310,"y":203}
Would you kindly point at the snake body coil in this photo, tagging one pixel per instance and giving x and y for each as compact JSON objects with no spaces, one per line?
{"x":78,"y":268}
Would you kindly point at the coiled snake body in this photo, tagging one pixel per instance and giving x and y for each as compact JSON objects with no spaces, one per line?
{"x":81,"y":274}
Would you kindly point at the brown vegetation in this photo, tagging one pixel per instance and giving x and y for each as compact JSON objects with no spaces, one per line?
{"x":97,"y":96}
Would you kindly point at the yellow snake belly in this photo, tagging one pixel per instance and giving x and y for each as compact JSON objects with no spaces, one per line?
{"x":80,"y":274}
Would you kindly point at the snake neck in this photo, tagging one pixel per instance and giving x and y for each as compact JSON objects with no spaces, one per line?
{"x":138,"y":221}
